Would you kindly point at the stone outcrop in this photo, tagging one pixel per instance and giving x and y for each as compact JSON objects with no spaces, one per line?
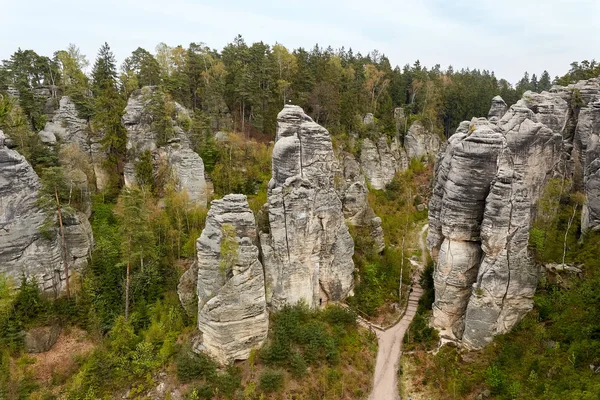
{"x":67,"y":128}
{"x":307,"y":251}
{"x":23,"y":249}
{"x":586,"y":149}
{"x":420,"y":143}
{"x":41,"y":339}
{"x":232,"y":313}
{"x":354,"y":195}
{"x":380,"y":160}
{"x":486,"y":188}
{"x":497,"y":110}
{"x":186,"y":166}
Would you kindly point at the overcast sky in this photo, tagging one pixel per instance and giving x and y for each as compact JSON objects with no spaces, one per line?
{"x":506,"y":36}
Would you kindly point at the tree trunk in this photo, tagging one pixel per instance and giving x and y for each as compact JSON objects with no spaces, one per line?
{"x":567,"y":233}
{"x":63,"y":244}
{"x":127,"y":294}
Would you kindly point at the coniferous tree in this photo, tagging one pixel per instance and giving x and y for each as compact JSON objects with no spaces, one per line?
{"x":545,"y":82}
{"x":108,"y":109}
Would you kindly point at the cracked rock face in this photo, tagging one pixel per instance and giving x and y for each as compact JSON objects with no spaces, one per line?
{"x":354,"y":194}
{"x":485,"y":189}
{"x":23,"y":250}
{"x":420,"y":143}
{"x":308,"y":250}
{"x":186,"y":166}
{"x":67,"y":128}
{"x":232,"y":313}
{"x":381,"y":161}
{"x":587,"y":151}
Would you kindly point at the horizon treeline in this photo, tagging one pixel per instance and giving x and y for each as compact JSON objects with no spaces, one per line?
{"x":251,"y":83}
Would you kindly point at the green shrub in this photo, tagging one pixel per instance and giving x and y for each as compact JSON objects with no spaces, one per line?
{"x":271,"y":381}
{"x":190,"y":365}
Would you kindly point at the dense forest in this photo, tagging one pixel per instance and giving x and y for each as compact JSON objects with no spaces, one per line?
{"x":126,"y":302}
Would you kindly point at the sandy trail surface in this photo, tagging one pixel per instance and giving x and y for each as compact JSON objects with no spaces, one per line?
{"x":385,"y":385}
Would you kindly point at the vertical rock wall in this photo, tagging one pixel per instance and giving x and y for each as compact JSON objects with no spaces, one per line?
{"x":307,"y":252}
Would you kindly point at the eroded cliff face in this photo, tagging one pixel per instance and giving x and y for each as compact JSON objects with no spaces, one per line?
{"x":23,"y":249}
{"x":380,"y":160}
{"x":485,"y":191}
{"x":307,"y":251}
{"x":232,"y":313}
{"x":185,"y":165}
{"x":354,"y":193}
{"x":67,"y":128}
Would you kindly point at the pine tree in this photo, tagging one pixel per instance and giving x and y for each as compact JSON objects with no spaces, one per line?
{"x":108,"y":110}
{"x":545,"y":82}
{"x":104,"y":74}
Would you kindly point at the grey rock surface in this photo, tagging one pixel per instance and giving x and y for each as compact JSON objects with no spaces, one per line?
{"x":186,"y":288}
{"x":355,"y":201}
{"x":380,"y":161}
{"x":23,"y":250}
{"x":67,"y":128}
{"x":186,"y":166}
{"x":485,"y":190}
{"x":497,"y":110}
{"x":307,"y":250}
{"x":41,"y":339}
{"x":420,"y":143}
{"x":232,"y":313}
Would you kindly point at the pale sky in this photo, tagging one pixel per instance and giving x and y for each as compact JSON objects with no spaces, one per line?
{"x":506,"y":36}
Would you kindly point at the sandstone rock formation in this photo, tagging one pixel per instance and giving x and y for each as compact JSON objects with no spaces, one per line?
{"x":307,"y":251}
{"x":419,"y":142}
{"x":484,"y":197}
{"x":354,"y":195}
{"x":23,"y":250}
{"x":232,"y":313}
{"x":497,"y":110}
{"x":67,"y":128}
{"x":186,"y":166}
{"x":381,"y":161}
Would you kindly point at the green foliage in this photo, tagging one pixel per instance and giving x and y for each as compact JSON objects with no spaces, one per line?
{"x":229,"y":249}
{"x":311,"y":335}
{"x":191,"y":365}
{"x":271,"y":381}
{"x":161,"y":109}
{"x":144,"y":171}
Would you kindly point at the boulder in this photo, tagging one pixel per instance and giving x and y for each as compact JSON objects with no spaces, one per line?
{"x":41,"y":339}
{"x":186,"y":289}
{"x":307,"y":250}
{"x":232,"y":309}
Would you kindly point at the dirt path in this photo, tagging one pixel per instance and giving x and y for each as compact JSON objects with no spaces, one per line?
{"x":385,"y":385}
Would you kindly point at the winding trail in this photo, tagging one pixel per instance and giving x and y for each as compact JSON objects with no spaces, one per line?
{"x":385,"y":383}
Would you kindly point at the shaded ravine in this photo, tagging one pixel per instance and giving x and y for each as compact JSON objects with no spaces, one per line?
{"x":385,"y":380}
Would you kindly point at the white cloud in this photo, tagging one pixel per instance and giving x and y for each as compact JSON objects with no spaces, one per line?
{"x":508,"y":37}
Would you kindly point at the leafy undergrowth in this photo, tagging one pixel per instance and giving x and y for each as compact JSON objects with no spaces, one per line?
{"x":402,"y":207}
{"x":309,"y":355}
{"x":553,"y":353}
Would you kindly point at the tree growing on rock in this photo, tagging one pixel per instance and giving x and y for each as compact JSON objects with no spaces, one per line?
{"x":54,"y":198}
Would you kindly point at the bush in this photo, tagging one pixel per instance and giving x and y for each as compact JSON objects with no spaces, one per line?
{"x":271,"y":381}
{"x":190,"y":365}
